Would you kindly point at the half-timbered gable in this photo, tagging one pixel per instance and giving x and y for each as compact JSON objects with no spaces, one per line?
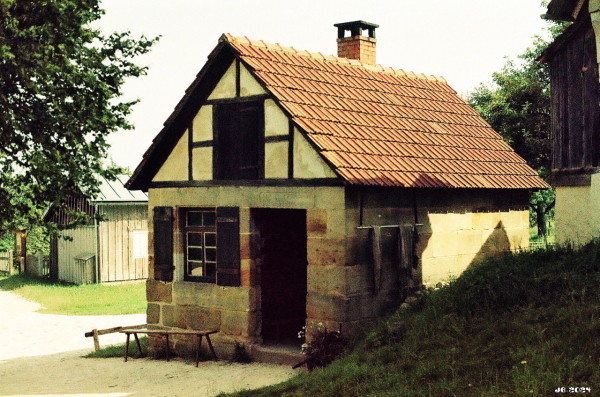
{"x":241,"y":133}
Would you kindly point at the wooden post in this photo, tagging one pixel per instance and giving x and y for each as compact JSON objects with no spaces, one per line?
{"x":11,"y":267}
{"x":96,"y":339}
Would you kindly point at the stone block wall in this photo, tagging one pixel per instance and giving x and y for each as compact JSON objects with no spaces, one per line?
{"x":235,"y":311}
{"x":453,"y":242}
{"x":201,"y":306}
{"x":456,"y":228}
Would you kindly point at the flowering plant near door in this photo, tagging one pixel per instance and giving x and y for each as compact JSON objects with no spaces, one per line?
{"x":324,"y":347}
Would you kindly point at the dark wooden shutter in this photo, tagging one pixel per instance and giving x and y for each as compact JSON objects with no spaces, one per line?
{"x":163,"y":243}
{"x":239,"y":149}
{"x":228,"y":246}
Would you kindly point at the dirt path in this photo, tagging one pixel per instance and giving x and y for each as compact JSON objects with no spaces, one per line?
{"x":40,"y":354}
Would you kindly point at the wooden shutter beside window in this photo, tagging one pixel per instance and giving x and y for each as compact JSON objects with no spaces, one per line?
{"x":228,"y":246}
{"x":163,"y":243}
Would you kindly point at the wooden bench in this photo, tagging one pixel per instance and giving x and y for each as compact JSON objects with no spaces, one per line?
{"x":95,"y":333}
{"x":165,"y":332}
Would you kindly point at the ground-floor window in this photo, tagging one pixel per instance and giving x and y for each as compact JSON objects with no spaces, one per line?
{"x":199,"y":228}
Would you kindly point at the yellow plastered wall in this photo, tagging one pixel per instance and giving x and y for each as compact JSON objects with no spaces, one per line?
{"x":276,"y":160}
{"x":577,"y":212}
{"x":276,"y":153}
{"x":455,"y":241}
{"x":202,"y":159}
{"x":202,"y":124}
{"x":175,"y":168}
{"x":276,"y":122}
{"x":248,"y":84}
{"x":307,"y":162}
{"x":225,"y":88}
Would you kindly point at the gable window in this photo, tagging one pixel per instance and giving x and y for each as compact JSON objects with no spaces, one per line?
{"x":199,"y":227}
{"x":239,"y":145}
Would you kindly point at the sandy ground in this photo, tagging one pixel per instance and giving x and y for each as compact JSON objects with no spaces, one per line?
{"x":41,"y":355}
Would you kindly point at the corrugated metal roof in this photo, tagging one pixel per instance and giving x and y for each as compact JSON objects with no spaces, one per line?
{"x":115,"y":191}
{"x":385,"y":127}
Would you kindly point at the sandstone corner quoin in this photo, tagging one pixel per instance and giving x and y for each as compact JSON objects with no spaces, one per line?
{"x":292,"y":189}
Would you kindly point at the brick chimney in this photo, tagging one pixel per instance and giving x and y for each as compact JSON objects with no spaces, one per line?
{"x":357,"y":46}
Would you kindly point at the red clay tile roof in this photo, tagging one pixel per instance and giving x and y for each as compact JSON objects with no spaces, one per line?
{"x":384,"y":127}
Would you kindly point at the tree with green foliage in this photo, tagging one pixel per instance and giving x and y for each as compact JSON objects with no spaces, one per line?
{"x":517,"y":105}
{"x":60,"y":98}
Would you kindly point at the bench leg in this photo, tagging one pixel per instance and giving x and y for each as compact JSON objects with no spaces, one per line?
{"x":212,"y":350}
{"x":127,"y":347}
{"x":137,"y":340}
{"x":198,"y":350}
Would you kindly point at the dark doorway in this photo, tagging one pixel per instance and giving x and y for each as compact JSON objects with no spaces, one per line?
{"x":281,"y":246}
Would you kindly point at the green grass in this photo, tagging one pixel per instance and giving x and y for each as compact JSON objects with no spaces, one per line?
{"x":90,"y":299}
{"x":549,"y":239}
{"x":517,"y":325}
{"x":119,"y":350}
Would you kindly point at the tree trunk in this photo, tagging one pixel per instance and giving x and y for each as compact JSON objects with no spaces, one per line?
{"x":540,"y":215}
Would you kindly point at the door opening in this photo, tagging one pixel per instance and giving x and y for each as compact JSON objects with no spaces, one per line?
{"x":281,"y":252}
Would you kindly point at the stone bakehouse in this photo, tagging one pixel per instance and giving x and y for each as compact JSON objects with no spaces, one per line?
{"x":291,"y":188}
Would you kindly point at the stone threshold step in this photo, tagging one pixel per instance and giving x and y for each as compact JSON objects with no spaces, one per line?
{"x":277,"y":354}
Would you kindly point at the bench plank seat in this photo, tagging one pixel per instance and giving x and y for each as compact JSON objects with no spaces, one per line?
{"x":166,"y":332}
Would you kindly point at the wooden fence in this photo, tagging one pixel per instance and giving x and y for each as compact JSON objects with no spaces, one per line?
{"x":37,"y":264}
{"x":6,"y":262}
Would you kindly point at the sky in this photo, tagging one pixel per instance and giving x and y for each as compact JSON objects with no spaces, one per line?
{"x":464,"y":41}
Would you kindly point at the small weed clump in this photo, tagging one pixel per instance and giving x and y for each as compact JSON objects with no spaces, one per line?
{"x":119,"y":350}
{"x":519,"y":324}
{"x":240,"y":355}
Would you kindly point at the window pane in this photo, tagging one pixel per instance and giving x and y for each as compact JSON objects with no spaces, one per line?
{"x":210,"y":239}
{"x":195,"y":269}
{"x":195,"y":254}
{"x":194,"y":218}
{"x":211,"y":254}
{"x":211,"y":270}
{"x":194,"y":239}
{"x":209,"y":218}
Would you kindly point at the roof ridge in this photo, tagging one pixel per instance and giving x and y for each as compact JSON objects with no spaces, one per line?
{"x":276,"y":47}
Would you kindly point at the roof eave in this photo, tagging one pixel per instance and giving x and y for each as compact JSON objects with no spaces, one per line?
{"x":561,"y":40}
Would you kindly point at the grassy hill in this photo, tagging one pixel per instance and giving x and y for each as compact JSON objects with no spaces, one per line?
{"x":517,"y":325}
